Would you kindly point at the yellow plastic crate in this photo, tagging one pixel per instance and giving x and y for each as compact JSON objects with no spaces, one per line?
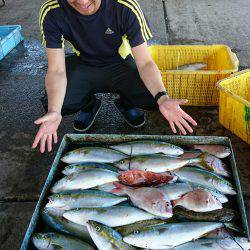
{"x":199,"y":86}
{"x":234,"y":106}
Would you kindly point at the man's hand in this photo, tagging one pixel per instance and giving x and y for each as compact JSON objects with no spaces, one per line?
{"x":170,"y":109}
{"x":48,"y":129}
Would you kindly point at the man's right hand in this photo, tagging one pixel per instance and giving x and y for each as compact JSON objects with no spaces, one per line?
{"x":48,"y":130}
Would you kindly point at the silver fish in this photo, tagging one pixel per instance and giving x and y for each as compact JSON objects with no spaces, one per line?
{"x":106,"y":238}
{"x":148,"y":147}
{"x":92,"y":154}
{"x":170,"y":235}
{"x":76,"y":168}
{"x":216,"y":244}
{"x":53,"y":218}
{"x":154,"y":163}
{"x":192,"y":66}
{"x":83,"y":198}
{"x":84,"y":180}
{"x":47,"y":241}
{"x":111,"y":216}
{"x":205,"y":178}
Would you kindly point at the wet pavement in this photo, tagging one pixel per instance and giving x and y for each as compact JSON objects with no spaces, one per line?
{"x":23,"y":170}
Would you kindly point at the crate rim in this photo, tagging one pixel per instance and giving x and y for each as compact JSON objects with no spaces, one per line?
{"x":230,"y":93}
{"x":233,"y":57}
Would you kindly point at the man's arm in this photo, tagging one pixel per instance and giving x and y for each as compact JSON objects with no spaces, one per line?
{"x":55,"y":83}
{"x":55,"y":80}
{"x":152,"y":79}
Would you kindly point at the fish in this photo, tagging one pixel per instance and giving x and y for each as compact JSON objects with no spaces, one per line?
{"x":235,"y":243}
{"x":219,"y":151}
{"x":108,"y":187}
{"x":155,"y":163}
{"x":191,"y":154}
{"x":83,"y":198}
{"x":84,"y":180}
{"x":145,"y":178}
{"x":198,"y":200}
{"x":145,"y":147}
{"x":176,"y":190}
{"x":46,"y":241}
{"x":192,"y":66}
{"x":76,"y":168}
{"x":110,"y":216}
{"x":170,"y":234}
{"x":128,"y":229}
{"x":54,"y":218}
{"x":220,"y":233}
{"x":221,"y":215}
{"x":212,"y":163}
{"x":106,"y":238}
{"x":205,"y":178}
{"x":150,"y":199}
{"x":93,"y":154}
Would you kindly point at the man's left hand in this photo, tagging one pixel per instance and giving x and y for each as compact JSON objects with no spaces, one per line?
{"x":170,"y":109}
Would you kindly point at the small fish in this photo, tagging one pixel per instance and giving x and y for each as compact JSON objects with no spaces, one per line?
{"x":93,"y":154}
{"x":170,"y":234}
{"x":192,"y":66}
{"x":236,"y":243}
{"x":176,"y":190}
{"x":212,"y":163}
{"x":198,"y":200}
{"x":152,"y":200}
{"x":145,"y":147}
{"x":219,"y":151}
{"x":128,"y":229}
{"x":110,"y":216}
{"x":205,"y":178}
{"x":83,"y":198}
{"x":221,"y":215}
{"x":155,"y":163}
{"x":45,"y":241}
{"x":76,"y":168}
{"x":145,"y":178}
{"x":106,"y":238}
{"x":53,"y":218}
{"x":84,"y":180}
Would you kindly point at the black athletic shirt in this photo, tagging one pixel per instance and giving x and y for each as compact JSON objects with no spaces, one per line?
{"x":100,"y":39}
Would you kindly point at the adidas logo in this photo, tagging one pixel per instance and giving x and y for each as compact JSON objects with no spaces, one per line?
{"x":109,"y":31}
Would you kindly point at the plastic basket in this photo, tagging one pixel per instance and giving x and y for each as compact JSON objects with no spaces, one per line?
{"x":234,"y":107}
{"x":199,"y":86}
{"x":10,"y":37}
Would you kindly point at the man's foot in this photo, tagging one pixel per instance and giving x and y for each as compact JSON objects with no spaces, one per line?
{"x":84,"y":120}
{"x":133,"y":116}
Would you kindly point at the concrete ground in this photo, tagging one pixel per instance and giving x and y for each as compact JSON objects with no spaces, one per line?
{"x":23,"y":170}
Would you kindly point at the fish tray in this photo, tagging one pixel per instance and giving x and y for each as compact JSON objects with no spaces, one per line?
{"x":198,"y":86}
{"x":10,"y":37}
{"x":72,"y":141}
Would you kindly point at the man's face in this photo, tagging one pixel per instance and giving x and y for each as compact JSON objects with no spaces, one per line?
{"x":85,"y":7}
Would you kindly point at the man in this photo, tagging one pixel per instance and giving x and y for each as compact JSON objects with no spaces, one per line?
{"x":109,"y":38}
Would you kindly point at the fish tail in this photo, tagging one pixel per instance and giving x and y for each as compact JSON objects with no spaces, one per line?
{"x":119,"y":189}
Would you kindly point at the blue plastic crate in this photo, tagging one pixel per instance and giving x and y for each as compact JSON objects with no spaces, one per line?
{"x":10,"y":37}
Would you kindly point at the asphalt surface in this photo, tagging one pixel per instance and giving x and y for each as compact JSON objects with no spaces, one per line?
{"x":23,"y":171}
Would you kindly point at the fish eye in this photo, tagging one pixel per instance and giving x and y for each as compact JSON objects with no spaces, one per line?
{"x":122,"y":161}
{"x":98,"y":229}
{"x":136,"y":231}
